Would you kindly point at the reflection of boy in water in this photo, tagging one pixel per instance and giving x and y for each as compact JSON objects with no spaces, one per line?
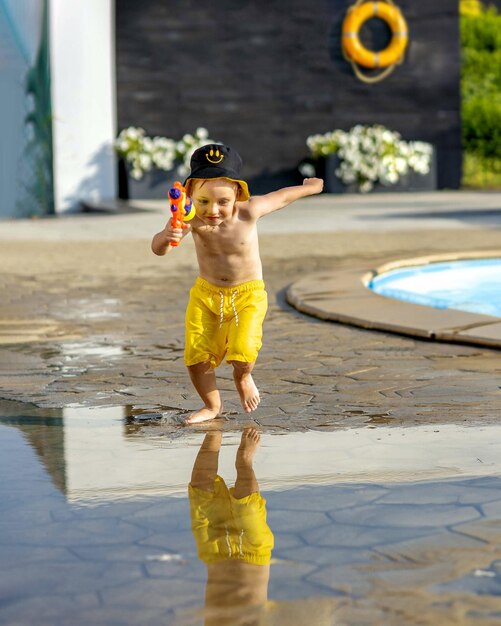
{"x":229,"y":526}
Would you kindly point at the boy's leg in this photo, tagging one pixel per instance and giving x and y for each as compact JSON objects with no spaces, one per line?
{"x":203,"y":378}
{"x":246,"y":482}
{"x":246,"y":387}
{"x":205,"y":468}
{"x":244,"y":342}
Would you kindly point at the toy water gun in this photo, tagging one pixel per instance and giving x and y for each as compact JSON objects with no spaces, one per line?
{"x":181,"y":206}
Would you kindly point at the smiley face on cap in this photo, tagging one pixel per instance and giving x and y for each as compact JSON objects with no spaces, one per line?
{"x":216,"y":160}
{"x":214,"y":156}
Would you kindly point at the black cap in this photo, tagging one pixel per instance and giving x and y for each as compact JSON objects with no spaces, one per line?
{"x":218,"y":161}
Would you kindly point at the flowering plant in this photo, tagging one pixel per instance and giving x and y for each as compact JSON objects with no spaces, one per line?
{"x":370,"y":154}
{"x":142,"y":153}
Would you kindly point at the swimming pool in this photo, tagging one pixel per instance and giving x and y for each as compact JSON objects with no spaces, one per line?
{"x":467,"y":285}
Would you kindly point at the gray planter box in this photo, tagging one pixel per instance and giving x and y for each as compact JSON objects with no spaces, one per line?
{"x":154,"y":185}
{"x":412,"y":181}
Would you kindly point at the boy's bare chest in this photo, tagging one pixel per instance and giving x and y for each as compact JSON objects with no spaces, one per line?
{"x":232,"y":239}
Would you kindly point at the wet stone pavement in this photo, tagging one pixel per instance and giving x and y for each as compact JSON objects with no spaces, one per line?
{"x":379,"y":456}
{"x":98,"y":340}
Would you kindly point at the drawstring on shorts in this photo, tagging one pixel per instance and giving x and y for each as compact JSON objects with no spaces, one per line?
{"x":221,"y":307}
{"x":228,"y":542}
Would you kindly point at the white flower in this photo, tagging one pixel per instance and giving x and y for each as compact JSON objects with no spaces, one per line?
{"x":401,"y":165}
{"x":202,"y":133}
{"x":183,"y":170}
{"x":142,"y":152}
{"x":371,"y":153}
{"x":133,"y":133}
{"x":145,"y":161}
{"x":136,"y":173}
{"x":307,"y":170}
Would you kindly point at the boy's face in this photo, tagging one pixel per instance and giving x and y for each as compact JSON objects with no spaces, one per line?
{"x":214,"y":200}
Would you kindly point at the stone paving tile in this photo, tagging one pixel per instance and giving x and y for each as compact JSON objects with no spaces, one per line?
{"x":180,"y":542}
{"x":126,"y":553}
{"x":415,"y":577}
{"x":152,"y":592}
{"x":295,"y":590}
{"x":303,"y":499}
{"x":109,"y":531}
{"x":287,"y":541}
{"x":176,"y":509}
{"x":407,"y":515}
{"x":343,"y":580}
{"x":301,"y":520}
{"x":473,"y":584}
{"x":289,"y":571}
{"x":319,"y":556}
{"x":419,"y":549}
{"x":492,"y":509}
{"x":192,"y":570}
{"x":64,"y":577}
{"x":20,"y":555}
{"x":343,"y":535}
{"x":48,"y":609}
{"x":434,"y":493}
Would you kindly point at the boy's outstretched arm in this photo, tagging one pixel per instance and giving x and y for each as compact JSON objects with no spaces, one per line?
{"x":262,"y":205}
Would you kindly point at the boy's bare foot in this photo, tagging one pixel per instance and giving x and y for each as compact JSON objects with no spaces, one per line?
{"x":203,"y":415}
{"x":249,"y":394}
{"x":248,"y":446}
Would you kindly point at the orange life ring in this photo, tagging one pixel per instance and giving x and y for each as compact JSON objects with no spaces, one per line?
{"x":352,"y":45}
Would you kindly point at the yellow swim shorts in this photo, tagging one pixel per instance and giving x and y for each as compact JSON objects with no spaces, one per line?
{"x":224,"y":321}
{"x":227,"y":528}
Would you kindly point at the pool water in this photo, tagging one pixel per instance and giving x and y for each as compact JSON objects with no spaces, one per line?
{"x":468,"y":285}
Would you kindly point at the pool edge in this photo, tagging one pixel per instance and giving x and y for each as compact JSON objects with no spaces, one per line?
{"x":342,"y":296}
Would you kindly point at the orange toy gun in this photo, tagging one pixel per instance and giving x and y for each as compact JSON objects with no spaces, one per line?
{"x":181,"y":206}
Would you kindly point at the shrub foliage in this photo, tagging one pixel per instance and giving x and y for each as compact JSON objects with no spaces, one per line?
{"x":481,"y":82}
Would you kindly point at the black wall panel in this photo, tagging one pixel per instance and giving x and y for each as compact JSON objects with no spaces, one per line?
{"x":263,"y":75}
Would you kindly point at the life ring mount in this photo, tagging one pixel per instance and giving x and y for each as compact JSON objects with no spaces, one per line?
{"x":357,"y":54}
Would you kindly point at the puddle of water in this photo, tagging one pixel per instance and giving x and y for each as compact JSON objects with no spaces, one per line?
{"x":390,"y":525}
{"x":74,"y":350}
{"x":94,"y":309}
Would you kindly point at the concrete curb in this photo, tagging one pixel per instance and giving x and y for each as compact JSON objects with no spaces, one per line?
{"x":343,"y":296}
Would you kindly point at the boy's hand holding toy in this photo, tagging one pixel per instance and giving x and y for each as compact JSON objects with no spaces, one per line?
{"x":182,"y":210}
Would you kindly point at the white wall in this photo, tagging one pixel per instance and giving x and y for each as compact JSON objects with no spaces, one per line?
{"x":83,"y":100}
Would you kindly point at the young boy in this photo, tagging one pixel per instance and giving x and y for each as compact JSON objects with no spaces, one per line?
{"x":228,"y":302}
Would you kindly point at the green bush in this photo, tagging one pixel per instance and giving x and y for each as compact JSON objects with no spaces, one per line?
{"x":480,"y":72}
{"x":482,"y":32}
{"x":481,"y":84}
{"x":482,"y":125}
{"x":481,"y":173}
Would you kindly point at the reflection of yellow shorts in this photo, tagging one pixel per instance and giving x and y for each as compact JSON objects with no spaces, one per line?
{"x":227,"y":528}
{"x":224,"y":320}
